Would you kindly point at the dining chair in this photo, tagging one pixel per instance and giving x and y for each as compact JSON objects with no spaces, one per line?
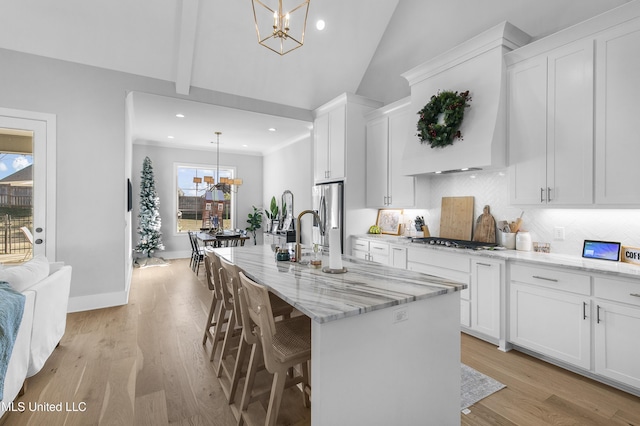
{"x":197,"y":252}
{"x":279,"y":307}
{"x":285,"y":344}
{"x":29,"y":236}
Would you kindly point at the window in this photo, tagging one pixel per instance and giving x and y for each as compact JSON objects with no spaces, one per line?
{"x":199,"y":204}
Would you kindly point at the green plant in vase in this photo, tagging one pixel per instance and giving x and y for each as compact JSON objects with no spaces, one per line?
{"x":273,"y":212}
{"x":255,"y":222}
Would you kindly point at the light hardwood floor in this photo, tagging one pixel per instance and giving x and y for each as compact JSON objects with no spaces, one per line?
{"x":144,"y":364}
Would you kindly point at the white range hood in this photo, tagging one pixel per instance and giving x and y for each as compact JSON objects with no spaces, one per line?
{"x":477,"y":66}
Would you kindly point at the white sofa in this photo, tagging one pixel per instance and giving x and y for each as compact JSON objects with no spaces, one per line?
{"x":46,"y":287}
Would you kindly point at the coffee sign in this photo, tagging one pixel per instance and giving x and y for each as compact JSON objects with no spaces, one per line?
{"x":630,"y":255}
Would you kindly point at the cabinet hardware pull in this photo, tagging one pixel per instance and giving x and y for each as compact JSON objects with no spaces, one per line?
{"x":482,"y":264}
{"x":548,"y":194}
{"x":542,"y":195}
{"x":584,"y":310}
{"x":378,"y":248}
{"x":634,"y":294}
{"x":546,"y":279}
{"x":598,"y":315}
{"x":389,"y":199}
{"x":398,"y":249}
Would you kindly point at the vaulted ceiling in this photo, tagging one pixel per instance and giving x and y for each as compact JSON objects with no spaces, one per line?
{"x":212,"y":44}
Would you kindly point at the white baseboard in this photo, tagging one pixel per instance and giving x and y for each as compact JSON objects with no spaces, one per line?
{"x":97,"y":301}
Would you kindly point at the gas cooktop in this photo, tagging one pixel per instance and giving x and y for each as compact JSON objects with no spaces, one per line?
{"x":448,"y":242}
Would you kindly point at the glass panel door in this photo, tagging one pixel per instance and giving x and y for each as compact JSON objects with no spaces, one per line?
{"x":22,"y":190}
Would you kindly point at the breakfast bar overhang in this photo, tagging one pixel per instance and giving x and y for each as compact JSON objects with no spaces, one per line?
{"x":385,"y":341}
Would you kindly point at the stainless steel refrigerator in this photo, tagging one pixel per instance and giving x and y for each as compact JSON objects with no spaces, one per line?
{"x":328,"y":202}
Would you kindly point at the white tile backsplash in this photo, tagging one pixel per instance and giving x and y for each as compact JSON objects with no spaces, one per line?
{"x":491,"y":188}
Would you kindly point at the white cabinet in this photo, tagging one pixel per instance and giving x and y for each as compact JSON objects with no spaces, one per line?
{"x":550,"y":313}
{"x":448,"y":265}
{"x":370,"y":250}
{"x":617,"y":112}
{"x":617,"y":321}
{"x":551,"y":127}
{"x":329,"y":134}
{"x":387,"y":131}
{"x":398,"y":257}
{"x":487,"y":278}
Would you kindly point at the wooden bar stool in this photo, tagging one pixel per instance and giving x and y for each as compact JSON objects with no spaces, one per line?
{"x":212,"y":269}
{"x":231,"y":280}
{"x":285,"y":344}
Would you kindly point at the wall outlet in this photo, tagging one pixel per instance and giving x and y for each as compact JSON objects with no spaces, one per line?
{"x":558,"y":233}
{"x":400,"y":315}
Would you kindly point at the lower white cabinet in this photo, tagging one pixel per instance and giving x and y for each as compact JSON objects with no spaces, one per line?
{"x":551,"y":322}
{"x":370,"y":250}
{"x":617,"y":324}
{"x":550,"y":313}
{"x":487,"y":278}
{"x":398,"y":257}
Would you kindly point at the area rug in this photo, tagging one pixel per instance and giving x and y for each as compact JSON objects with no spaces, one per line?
{"x":476,"y":386}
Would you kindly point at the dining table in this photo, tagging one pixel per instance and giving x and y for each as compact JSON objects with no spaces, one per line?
{"x":225,"y":239}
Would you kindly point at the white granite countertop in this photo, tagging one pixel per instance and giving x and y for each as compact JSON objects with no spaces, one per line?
{"x":324,"y":297}
{"x":621,"y":269}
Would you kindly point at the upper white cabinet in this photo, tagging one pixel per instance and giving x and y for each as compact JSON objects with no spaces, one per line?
{"x":617,"y":113}
{"x":338,"y":137}
{"x":329,"y":133}
{"x":387,"y":132}
{"x":551,"y":127}
{"x":572,"y":113}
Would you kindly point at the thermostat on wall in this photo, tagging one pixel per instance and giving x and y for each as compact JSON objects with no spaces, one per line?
{"x":604,"y":250}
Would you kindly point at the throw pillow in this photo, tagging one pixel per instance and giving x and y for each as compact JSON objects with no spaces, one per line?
{"x":24,"y":276}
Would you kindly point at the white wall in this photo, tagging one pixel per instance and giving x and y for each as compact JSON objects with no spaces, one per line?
{"x":248,"y":167}
{"x":290,"y":168}
{"x":93,"y":158}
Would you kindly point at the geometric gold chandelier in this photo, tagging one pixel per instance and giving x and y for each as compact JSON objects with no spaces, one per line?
{"x":280,"y":28}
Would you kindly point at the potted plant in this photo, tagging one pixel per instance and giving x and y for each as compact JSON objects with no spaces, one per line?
{"x":255,"y":221}
{"x":273,"y":213}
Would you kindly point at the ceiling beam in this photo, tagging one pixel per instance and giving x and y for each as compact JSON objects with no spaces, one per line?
{"x":186,"y":45}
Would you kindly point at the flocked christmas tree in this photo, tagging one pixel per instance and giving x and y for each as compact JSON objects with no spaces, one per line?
{"x":149,"y":216}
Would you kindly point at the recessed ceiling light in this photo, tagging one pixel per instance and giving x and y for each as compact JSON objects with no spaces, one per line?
{"x":180,"y":115}
{"x":438,"y":172}
{"x":170,"y":137}
{"x":245,"y":145}
{"x":320,"y":25}
{"x":272,"y":129}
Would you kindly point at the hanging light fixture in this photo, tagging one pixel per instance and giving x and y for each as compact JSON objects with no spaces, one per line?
{"x":280,"y":29}
{"x":224,"y":185}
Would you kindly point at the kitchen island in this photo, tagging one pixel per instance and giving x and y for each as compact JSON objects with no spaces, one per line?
{"x":385,"y":342}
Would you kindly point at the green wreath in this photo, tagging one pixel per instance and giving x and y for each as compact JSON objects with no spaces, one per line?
{"x":451,"y":105}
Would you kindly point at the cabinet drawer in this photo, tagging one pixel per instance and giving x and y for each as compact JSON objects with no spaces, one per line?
{"x":617,"y":290}
{"x":362,"y":245}
{"x":552,"y":278}
{"x":437,"y":258}
{"x":380,"y":249}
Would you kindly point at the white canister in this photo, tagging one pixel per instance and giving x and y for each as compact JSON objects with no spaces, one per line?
{"x":523,"y":241}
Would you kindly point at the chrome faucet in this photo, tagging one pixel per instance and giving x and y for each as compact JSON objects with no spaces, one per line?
{"x":299,"y":230}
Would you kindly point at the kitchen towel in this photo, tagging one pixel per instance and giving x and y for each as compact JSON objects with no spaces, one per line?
{"x":335,"y":252}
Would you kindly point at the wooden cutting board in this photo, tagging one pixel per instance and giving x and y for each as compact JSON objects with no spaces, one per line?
{"x":485,"y":227}
{"x":456,"y":218}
